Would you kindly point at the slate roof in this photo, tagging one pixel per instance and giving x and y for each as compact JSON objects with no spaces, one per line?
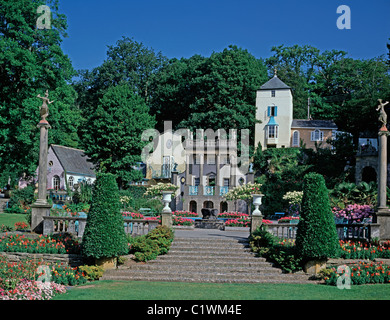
{"x":309,"y":124}
{"x":273,"y":84}
{"x":74,"y":161}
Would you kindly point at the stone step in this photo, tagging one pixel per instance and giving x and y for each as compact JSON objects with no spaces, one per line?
{"x":204,"y":277}
{"x":266,"y":268}
{"x":204,"y":254}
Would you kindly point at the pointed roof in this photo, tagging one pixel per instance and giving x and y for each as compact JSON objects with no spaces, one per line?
{"x":274,"y":84}
{"x":74,"y":161}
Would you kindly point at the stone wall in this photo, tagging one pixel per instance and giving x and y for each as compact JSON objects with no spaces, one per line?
{"x":72,"y":260}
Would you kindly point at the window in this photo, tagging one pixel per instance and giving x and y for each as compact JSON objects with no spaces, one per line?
{"x":226,"y":182}
{"x":196,"y":181}
{"x":272,"y":111}
{"x":211,"y":159}
{"x":317,"y":135}
{"x":273,"y":93}
{"x":56,"y":182}
{"x":295,"y":140}
{"x":70,"y":182}
{"x":272,"y":132}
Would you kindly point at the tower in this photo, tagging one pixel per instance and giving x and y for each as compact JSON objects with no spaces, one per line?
{"x":274,"y":108}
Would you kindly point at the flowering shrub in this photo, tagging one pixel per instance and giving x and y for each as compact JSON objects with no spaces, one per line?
{"x":354,"y":212}
{"x":237,"y":223}
{"x":32,"y":290}
{"x":23,"y":280}
{"x":243,"y":192}
{"x":21,"y":226}
{"x":155,"y":190}
{"x":183,"y":213}
{"x":293,"y":197}
{"x":360,"y":273}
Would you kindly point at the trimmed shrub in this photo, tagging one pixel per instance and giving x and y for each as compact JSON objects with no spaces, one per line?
{"x":316,"y":235}
{"x":104,"y":235}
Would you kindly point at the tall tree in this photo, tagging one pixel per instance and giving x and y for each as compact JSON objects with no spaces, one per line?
{"x":113,"y":137}
{"x":128,"y":62}
{"x":31,"y":61}
{"x":214,"y":92}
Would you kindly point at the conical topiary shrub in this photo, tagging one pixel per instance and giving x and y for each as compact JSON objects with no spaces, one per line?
{"x":104,"y":236}
{"x":317,"y":237}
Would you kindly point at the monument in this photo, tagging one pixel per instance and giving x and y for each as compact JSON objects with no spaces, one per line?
{"x":41,"y":207}
{"x":383,"y":212}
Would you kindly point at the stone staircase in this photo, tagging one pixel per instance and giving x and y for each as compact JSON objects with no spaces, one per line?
{"x":206,"y":260}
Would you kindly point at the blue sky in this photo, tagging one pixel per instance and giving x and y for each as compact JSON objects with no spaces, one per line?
{"x":185,"y":28}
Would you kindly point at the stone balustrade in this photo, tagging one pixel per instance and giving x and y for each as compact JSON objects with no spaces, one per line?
{"x":76,"y":226}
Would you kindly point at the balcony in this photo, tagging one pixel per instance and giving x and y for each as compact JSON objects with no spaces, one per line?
{"x":207,"y":191}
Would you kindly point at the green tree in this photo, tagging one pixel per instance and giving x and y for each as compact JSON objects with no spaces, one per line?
{"x":104,"y":236}
{"x":31,"y":61}
{"x":316,"y":236}
{"x":128,"y":62}
{"x":112,"y":139}
{"x":214,"y":92}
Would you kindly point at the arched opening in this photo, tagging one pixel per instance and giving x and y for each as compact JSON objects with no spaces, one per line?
{"x":223,"y":207}
{"x":368,"y":174}
{"x":56,"y":182}
{"x":193,"y":206}
{"x":208,"y":205}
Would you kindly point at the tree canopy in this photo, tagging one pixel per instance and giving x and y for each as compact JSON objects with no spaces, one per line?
{"x":31,"y":62}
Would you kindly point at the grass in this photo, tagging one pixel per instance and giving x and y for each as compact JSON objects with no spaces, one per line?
{"x":9,"y":219}
{"x":143,"y":290}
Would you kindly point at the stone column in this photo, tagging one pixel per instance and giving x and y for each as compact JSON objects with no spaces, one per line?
{"x":383,"y":213}
{"x":201,"y":165}
{"x":217,"y":174}
{"x":41,"y":208}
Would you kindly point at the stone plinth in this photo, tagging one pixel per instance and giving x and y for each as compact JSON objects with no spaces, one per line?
{"x":38,"y":211}
{"x":210,"y":224}
{"x":256,"y":222}
{"x":166,"y":219}
{"x":383,"y":219}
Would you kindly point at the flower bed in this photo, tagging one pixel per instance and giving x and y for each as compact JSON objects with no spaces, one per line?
{"x":361,"y":273}
{"x":354,"y":212}
{"x":180,"y":221}
{"x":360,"y":250}
{"x":133,"y":215}
{"x":183,"y":213}
{"x":288,"y":219}
{"x":57,"y":244}
{"x":25,"y":280}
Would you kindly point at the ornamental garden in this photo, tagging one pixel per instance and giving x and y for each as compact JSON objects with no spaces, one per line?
{"x":315,"y":212}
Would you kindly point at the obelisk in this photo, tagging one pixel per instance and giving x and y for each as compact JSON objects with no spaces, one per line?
{"x":41,"y":207}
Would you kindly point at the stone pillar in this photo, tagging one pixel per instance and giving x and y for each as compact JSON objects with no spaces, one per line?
{"x":256,"y":217}
{"x":232,"y":170}
{"x":201,"y":165}
{"x":383,"y":213}
{"x":217,"y":174}
{"x":41,"y":208}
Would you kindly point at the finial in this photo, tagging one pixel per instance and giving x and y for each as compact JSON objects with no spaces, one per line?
{"x":275,"y":72}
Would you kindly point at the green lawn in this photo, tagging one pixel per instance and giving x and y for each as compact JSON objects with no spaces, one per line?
{"x":141,"y":290}
{"x":9,"y":219}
